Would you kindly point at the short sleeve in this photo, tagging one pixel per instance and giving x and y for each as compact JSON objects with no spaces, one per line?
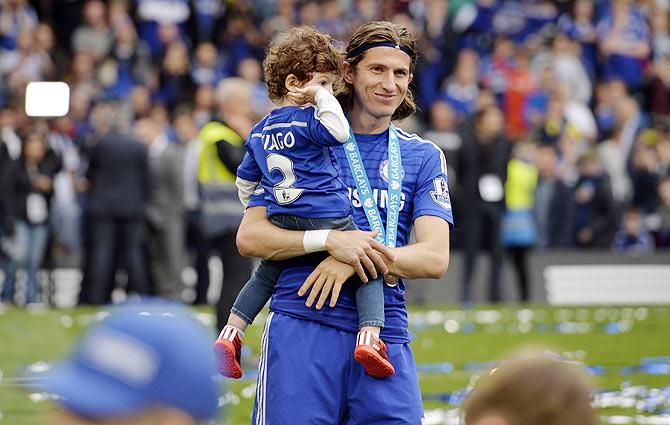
{"x":258,"y":198}
{"x":248,"y":169}
{"x":432,"y":191}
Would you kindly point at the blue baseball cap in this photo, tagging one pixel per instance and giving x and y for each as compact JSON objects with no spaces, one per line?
{"x":141,"y":355}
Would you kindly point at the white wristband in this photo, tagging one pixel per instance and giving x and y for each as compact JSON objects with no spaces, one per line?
{"x":315,"y":240}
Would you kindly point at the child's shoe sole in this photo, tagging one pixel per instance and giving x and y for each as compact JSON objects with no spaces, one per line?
{"x":224,"y":356}
{"x":373,"y":363}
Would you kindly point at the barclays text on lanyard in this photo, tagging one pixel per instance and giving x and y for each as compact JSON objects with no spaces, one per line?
{"x":395,"y":176}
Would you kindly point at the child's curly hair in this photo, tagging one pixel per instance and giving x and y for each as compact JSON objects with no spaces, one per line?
{"x":299,"y":51}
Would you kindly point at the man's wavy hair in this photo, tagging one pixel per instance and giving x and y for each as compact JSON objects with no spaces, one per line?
{"x":300,"y":51}
{"x":375,"y":32}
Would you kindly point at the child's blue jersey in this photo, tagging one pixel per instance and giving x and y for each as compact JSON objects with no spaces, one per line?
{"x":289,"y":153}
{"x":424,"y":192}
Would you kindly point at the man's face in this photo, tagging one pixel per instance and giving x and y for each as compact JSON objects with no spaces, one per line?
{"x":380,"y":80}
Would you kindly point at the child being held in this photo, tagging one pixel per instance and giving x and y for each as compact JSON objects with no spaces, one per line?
{"x":288,"y":153}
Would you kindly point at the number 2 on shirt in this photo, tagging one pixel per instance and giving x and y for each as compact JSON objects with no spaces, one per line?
{"x":284,"y":191}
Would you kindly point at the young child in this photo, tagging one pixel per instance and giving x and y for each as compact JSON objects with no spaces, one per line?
{"x":288,"y":152}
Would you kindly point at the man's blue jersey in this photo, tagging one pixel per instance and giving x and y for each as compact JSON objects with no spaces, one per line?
{"x":424,"y":192}
{"x":289,"y":153}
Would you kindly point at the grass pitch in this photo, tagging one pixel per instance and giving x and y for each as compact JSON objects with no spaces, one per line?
{"x":450,"y":344}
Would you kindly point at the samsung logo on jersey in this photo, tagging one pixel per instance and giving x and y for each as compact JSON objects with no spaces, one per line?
{"x":278,"y":141}
{"x":381,"y":197}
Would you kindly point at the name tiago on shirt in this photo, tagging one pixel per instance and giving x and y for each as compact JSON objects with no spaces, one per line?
{"x":278,"y":141}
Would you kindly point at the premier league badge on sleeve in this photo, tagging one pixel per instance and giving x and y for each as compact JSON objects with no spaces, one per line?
{"x":441,"y":193}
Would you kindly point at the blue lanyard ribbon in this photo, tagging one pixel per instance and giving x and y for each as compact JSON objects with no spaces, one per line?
{"x":395,"y":176}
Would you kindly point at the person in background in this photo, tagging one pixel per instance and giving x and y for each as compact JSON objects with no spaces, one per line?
{"x":553,"y":201}
{"x":164,"y":211}
{"x":481,"y":175}
{"x":623,"y":40}
{"x":644,"y":172}
{"x":660,"y":223}
{"x":633,"y":238}
{"x":222,"y":150}
{"x":118,"y":189}
{"x":30,"y":186}
{"x":187,"y":134}
{"x":595,"y":209}
{"x":94,"y":36}
{"x":532,"y":390}
{"x":461,"y":89}
{"x":518,"y":226}
{"x":146,"y":363}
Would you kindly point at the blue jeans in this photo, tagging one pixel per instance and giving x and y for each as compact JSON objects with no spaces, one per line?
{"x":32,"y":243}
{"x":258,"y":290}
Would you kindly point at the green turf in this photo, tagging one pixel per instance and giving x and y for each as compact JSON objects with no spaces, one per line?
{"x":27,"y":337}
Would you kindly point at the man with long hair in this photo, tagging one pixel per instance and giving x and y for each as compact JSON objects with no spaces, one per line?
{"x":395,"y":181}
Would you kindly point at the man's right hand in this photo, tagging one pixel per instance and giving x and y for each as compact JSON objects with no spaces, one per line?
{"x":361,"y":251}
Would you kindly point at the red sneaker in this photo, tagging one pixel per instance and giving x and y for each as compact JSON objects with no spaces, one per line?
{"x":227,"y":353}
{"x":371,"y":353}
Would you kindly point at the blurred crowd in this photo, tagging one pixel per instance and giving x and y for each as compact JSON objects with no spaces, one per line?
{"x":554,"y":117}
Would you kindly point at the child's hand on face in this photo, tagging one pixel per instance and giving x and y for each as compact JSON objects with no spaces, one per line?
{"x":303,"y":95}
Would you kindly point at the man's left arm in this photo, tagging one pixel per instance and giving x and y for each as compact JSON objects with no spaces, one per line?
{"x":429,"y":256}
{"x":432,"y":216}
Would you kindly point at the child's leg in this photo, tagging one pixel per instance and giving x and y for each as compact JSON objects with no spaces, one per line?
{"x":249,"y":302}
{"x":254,"y":295}
{"x":370,"y":349}
{"x":370,"y":305}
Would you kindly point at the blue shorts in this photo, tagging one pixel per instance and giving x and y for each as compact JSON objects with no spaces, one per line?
{"x":307,"y":375}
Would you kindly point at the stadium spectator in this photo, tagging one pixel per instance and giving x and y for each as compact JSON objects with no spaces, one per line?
{"x":207,"y":67}
{"x":65,"y":210}
{"x":659,"y":90}
{"x":23,"y":64}
{"x":221,"y":152}
{"x":623,"y":40}
{"x":461,"y":90}
{"x":203,"y":105}
{"x":94,"y":36}
{"x":250,"y":69}
{"x":661,"y":218}
{"x":442,"y":130}
{"x":438,"y":44}
{"x":30,"y":185}
{"x":595,"y":210}
{"x":145,"y":363}
{"x":164,"y":212}
{"x":615,"y":153}
{"x":520,"y":86}
{"x":175,"y":80}
{"x":553,"y":201}
{"x":633,"y":238}
{"x":568,"y":68}
{"x":663,"y":148}
{"x":162,"y":22}
{"x":118,"y":181}
{"x":15,"y":16}
{"x":518,"y":225}
{"x":496,"y":66}
{"x":376,"y":89}
{"x":660,"y":31}
{"x":531,"y":390}
{"x":645,"y":176}
{"x":130,"y":57}
{"x":481,"y":174}
{"x":579,"y":26}
{"x":187,"y":134}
